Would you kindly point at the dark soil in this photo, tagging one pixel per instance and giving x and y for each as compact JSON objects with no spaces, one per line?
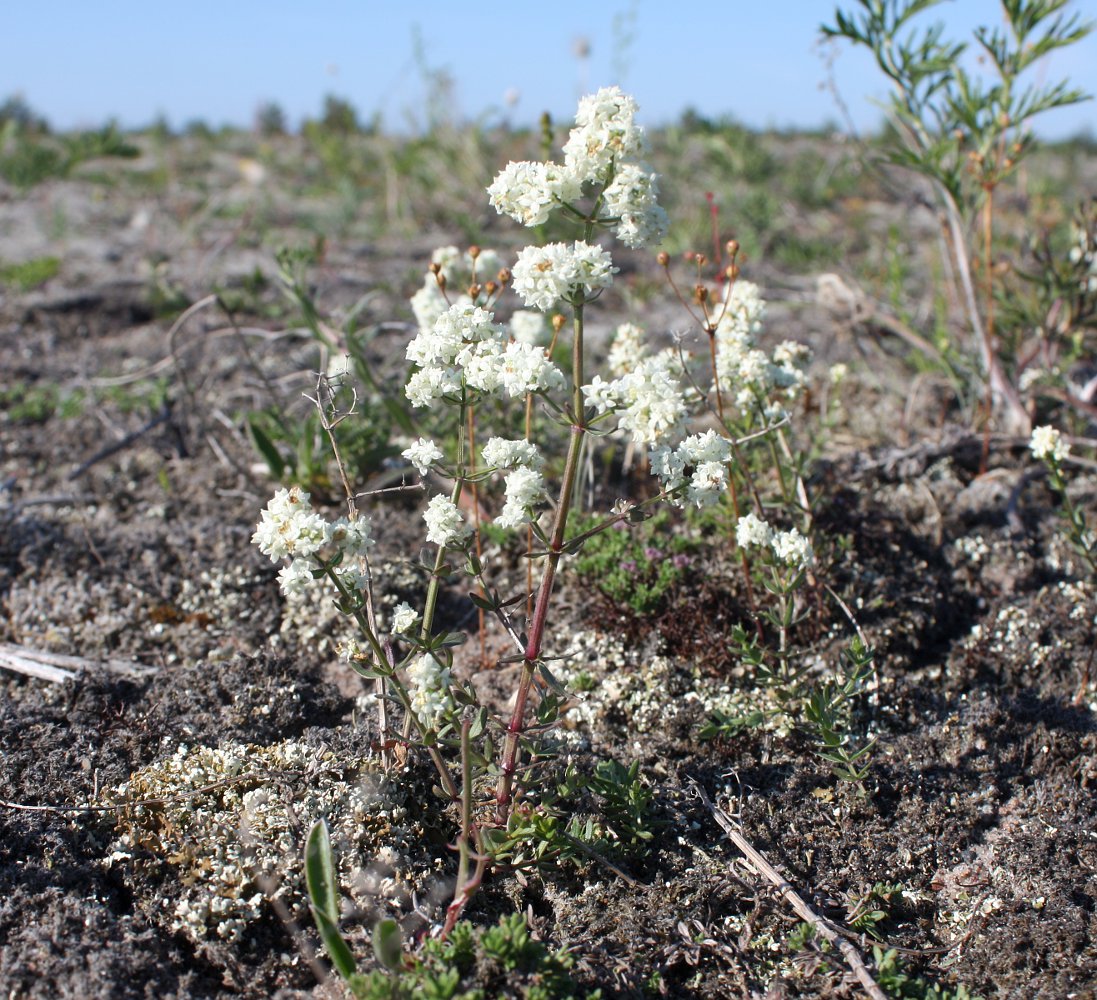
{"x":125,"y":522}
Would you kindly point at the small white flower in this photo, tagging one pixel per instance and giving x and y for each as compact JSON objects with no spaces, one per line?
{"x":524,"y":488}
{"x":422,"y":454}
{"x":792,"y":548}
{"x":1047,"y":445}
{"x":404,"y":617}
{"x":631,"y":200}
{"x":752,"y":532}
{"x":669,"y":465}
{"x":627,"y":350}
{"x":838,"y":373}
{"x":706,"y":447}
{"x":604,"y":133}
{"x":431,"y":383}
{"x":444,"y":522}
{"x":708,"y":482}
{"x":653,"y":405}
{"x":524,"y":368}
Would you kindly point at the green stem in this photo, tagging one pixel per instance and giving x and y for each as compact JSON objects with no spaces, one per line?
{"x":504,"y":788}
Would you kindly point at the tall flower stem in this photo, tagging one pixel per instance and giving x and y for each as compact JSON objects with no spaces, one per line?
{"x":504,"y":789}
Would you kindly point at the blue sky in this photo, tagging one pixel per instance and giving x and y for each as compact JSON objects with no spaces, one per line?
{"x":80,"y":63}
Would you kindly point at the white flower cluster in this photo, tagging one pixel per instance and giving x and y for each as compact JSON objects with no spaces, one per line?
{"x":466,"y":349}
{"x":501,"y":453}
{"x":603,"y":149}
{"x":627,"y":349}
{"x":290,"y":528}
{"x":705,"y":456}
{"x":445,"y":526}
{"x":524,"y":488}
{"x":460,"y":271}
{"x":404,"y":617}
{"x":546,"y":275}
{"x":1047,"y":445}
{"x":429,"y":683}
{"x":649,"y":400}
{"x":423,"y":453}
{"x":527,"y":191}
{"x":632,"y":199}
{"x":529,"y":327}
{"x":744,"y":369}
{"x":788,"y":547}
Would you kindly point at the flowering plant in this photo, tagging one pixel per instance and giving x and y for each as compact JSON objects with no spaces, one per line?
{"x":463,"y":359}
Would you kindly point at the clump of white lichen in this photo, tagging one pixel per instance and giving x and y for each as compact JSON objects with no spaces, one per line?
{"x":234,"y":819}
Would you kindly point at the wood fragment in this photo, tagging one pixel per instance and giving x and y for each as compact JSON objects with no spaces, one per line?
{"x":793,"y":898}
{"x":61,"y":667}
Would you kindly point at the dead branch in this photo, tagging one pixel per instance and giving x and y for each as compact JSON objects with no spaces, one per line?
{"x":59,"y":667}
{"x":823,"y":926}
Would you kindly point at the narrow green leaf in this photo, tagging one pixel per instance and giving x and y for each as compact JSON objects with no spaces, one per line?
{"x":323,"y":894}
{"x":267,"y":449}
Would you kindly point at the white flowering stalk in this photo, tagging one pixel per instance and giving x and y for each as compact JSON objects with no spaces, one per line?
{"x":429,"y":684}
{"x":602,"y":160}
{"x":1047,"y":445}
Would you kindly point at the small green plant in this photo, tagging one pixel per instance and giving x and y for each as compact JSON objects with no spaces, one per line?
{"x":29,"y":274}
{"x":637,"y":567}
{"x":505,"y":957}
{"x":966,"y":135}
{"x":500,"y":406}
{"x":892,"y":977}
{"x":826,"y":714}
{"x":866,"y":910}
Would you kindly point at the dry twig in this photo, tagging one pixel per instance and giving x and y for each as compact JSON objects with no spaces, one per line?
{"x":793,"y":898}
{"x":60,"y":667}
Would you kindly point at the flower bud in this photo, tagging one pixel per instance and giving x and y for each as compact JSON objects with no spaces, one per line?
{"x":474,"y":251}
{"x":663,"y":258}
{"x":474,"y":291}
{"x":733,"y":248}
{"x":700,"y":294}
{"x":558,"y":321}
{"x":503,"y":277}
